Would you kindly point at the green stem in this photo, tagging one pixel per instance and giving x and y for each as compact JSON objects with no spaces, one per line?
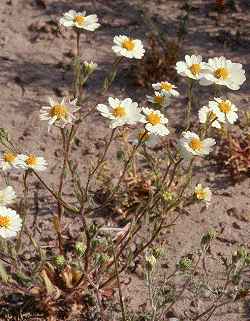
{"x":127,"y":164}
{"x":66,"y":146}
{"x":150,"y":293}
{"x":111,"y":76}
{"x":78,"y":34}
{"x":106,"y":85}
{"x":189,"y":105}
{"x":118,"y":283}
{"x":23,"y":210}
{"x":64,"y":204}
{"x":99,"y":162}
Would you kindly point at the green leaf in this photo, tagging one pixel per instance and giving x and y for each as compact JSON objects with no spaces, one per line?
{"x":4,"y":277}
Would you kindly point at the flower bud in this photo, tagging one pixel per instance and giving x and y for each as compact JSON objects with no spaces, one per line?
{"x":80,"y":248}
{"x":168,"y":196}
{"x":208,"y":237}
{"x":95,"y":243}
{"x":93,"y":229}
{"x":89,"y":67}
{"x":158,"y":252}
{"x":185,"y":264}
{"x":59,"y":261}
{"x":3,"y":135}
{"x":150,"y":262}
{"x":247,"y":259}
{"x":242,"y":252}
{"x":102,"y":258}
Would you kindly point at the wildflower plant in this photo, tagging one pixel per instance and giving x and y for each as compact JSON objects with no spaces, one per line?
{"x":96,"y":263}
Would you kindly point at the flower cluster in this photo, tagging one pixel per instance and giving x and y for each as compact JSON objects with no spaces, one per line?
{"x":10,"y":221}
{"x":9,"y":160}
{"x":126,"y":112}
{"x":218,"y":71}
{"x":124,"y":46}
{"x":217,"y":112}
{"x":149,"y":122}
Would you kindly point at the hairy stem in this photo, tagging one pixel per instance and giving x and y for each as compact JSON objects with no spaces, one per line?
{"x":189,"y":105}
{"x":99,"y":162}
{"x":118,"y":282}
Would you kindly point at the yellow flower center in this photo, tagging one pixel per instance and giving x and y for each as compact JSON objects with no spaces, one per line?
{"x":159,"y":99}
{"x":79,"y":20}
{"x":221,"y":73}
{"x":225,"y":106}
{"x":31,"y":160}
{"x":153,"y":119}
{"x":119,"y":112}
{"x":59,"y":111}
{"x":166,"y":86}
{"x":128,"y":44}
{"x":143,"y":136}
{"x":196,"y":144}
{"x":195,"y":69}
{"x":9,"y":157}
{"x":201,"y":194}
{"x":5,"y":222}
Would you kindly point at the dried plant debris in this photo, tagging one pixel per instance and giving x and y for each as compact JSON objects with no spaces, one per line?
{"x":158,"y":64}
{"x":234,"y":153}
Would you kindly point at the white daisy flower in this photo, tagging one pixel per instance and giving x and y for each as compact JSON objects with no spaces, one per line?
{"x":7,"y":195}
{"x":10,"y":222}
{"x":155,"y":122}
{"x":120,"y":112}
{"x":80,"y":20}
{"x":166,"y":88}
{"x":32,"y":161}
{"x":212,"y":115}
{"x":8,"y":160}
{"x":128,"y":47}
{"x":203,"y":193}
{"x":192,"y":67}
{"x":227,"y":108}
{"x":59,"y":114}
{"x":222,"y":71}
{"x":159,"y":99}
{"x":191,"y":145}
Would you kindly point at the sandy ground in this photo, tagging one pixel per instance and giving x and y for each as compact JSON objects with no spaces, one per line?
{"x":34,"y":63}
